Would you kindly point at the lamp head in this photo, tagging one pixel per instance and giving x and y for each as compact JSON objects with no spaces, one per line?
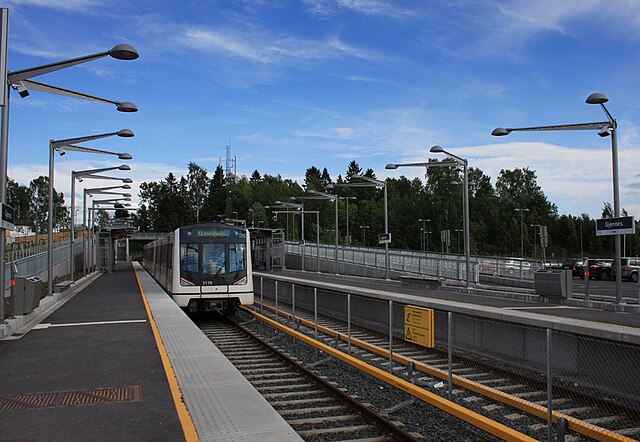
{"x":126,"y":186}
{"x":500,"y":132}
{"x":597,"y":98}
{"x":391,"y":166}
{"x":124,"y":167}
{"x":124,"y":156}
{"x":126,"y":106}
{"x":330,"y":186}
{"x":436,"y":149}
{"x":127,"y":180}
{"x":124,"y":52}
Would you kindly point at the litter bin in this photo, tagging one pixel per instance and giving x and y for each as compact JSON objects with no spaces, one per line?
{"x":26,"y":294}
{"x":33,"y":291}
{"x":21,"y":305}
{"x":553,"y":283}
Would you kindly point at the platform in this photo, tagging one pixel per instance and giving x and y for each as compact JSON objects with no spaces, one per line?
{"x":93,"y":370}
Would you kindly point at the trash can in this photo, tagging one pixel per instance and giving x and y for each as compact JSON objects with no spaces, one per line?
{"x":553,"y":283}
{"x":21,"y":303}
{"x":33,"y":291}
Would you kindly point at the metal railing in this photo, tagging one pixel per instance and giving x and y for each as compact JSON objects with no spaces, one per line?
{"x":439,"y":265}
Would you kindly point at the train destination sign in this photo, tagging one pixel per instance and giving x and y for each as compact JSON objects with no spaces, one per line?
{"x":418,"y":325}
{"x":615,"y":226}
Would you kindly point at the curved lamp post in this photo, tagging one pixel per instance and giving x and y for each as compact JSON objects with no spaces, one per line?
{"x":604,"y":128}
{"x":20,"y":81}
{"x":329,"y":197}
{"x":112,"y":201}
{"x":369,"y":182}
{"x":79,"y":175}
{"x":465,"y":197}
{"x":68,"y":144}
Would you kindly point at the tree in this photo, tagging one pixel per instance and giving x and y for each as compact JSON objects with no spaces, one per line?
{"x":313,"y":179}
{"x":19,"y":197}
{"x":39,"y":197}
{"x":198,"y":187}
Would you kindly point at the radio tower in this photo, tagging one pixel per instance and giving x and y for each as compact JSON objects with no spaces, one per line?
{"x":230,"y":166}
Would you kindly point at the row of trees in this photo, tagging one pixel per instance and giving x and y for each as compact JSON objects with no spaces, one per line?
{"x":495,"y":224}
{"x":32,"y":206}
{"x":496,"y":227}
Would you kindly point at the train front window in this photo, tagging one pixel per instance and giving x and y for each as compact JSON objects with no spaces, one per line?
{"x":189,"y":260}
{"x":214,"y":264}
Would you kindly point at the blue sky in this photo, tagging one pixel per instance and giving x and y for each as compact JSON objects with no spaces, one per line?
{"x":295,"y":84}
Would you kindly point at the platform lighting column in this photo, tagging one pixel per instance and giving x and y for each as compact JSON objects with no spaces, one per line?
{"x":61,"y":146}
{"x":79,"y":175}
{"x":20,"y":81}
{"x":424,"y":229}
{"x":465,"y":197}
{"x":604,"y":128}
{"x":521,"y":230}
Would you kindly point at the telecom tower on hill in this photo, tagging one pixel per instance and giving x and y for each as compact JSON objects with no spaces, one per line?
{"x":230,"y":166}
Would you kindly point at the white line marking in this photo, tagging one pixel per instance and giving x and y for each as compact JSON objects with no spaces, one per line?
{"x":72,"y":324}
{"x":545,"y":308}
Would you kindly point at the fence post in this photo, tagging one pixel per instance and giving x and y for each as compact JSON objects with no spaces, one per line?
{"x":549,"y":390}
{"x":276,"y":301}
{"x":293,"y":299}
{"x":348,"y":323}
{"x":390,"y":336}
{"x":450,"y":350}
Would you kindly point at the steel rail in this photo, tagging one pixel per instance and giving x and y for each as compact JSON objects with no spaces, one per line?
{"x":587,"y":429}
{"x":471,"y":417}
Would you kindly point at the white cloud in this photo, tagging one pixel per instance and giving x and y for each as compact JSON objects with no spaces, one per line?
{"x":70,"y":5}
{"x":577,"y":180}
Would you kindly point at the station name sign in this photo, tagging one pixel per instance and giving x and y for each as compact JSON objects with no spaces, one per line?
{"x":615,"y":226}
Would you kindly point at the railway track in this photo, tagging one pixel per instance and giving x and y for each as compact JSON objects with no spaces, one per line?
{"x":315,"y":409}
{"x":516,"y":399}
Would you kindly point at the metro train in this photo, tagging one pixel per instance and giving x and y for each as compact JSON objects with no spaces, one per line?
{"x":203,"y":267}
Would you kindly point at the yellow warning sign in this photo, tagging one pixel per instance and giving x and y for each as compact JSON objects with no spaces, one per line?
{"x":418,"y":325}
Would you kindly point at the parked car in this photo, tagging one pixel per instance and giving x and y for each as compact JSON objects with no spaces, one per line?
{"x":576,"y":265}
{"x":630,"y":269}
{"x":598,"y":269}
{"x":516,"y":266}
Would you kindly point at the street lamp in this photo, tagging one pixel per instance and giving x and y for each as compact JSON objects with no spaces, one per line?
{"x":61,"y":146}
{"x":536,"y":232}
{"x":521,"y":230}
{"x":465,"y":196}
{"x":330,"y":197}
{"x":19,"y":80}
{"x":79,"y":175}
{"x":371,"y":182}
{"x":364,"y":235}
{"x":604,"y":128}
{"x":424,"y":229}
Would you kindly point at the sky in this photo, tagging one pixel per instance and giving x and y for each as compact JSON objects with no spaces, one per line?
{"x":294,"y":84}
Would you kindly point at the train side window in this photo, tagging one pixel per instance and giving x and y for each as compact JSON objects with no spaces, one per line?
{"x":237,"y":263}
{"x":189,"y":262}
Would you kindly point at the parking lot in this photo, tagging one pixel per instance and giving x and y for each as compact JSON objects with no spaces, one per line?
{"x":630,"y":290}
